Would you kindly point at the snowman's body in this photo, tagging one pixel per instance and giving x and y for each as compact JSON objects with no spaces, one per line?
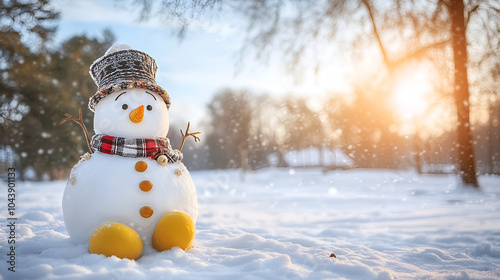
{"x":109,"y":188}
{"x":105,"y":188}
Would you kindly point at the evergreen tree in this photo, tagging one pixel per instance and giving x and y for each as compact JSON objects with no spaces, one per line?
{"x":39,"y":85}
{"x":25,"y":28}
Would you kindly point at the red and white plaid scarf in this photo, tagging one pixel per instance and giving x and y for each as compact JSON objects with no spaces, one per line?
{"x":135,"y":147}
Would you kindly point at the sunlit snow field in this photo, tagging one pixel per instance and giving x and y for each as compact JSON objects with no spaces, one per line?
{"x":285,"y":224}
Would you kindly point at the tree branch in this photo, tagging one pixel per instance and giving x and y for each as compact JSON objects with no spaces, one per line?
{"x":376,"y":33}
{"x":420,"y":52}
{"x":80,"y":122}
{"x":185,"y":136}
{"x":469,"y":13}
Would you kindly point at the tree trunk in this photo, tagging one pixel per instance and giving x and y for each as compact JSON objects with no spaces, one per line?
{"x":491,"y":151}
{"x":466,"y":162}
{"x":417,"y":142}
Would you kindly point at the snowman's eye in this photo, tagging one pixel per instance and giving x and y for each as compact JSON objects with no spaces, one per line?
{"x":124,"y":106}
{"x":149,"y":107}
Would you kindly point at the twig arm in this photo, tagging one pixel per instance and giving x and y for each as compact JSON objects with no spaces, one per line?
{"x":185,"y":136}
{"x":80,"y":122}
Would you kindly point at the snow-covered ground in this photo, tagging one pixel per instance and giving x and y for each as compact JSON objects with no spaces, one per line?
{"x":285,"y":224}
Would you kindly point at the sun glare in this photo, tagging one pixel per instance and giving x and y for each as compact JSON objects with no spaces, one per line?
{"x":410,"y":94}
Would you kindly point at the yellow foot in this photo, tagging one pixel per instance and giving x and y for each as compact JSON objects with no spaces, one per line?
{"x":175,"y":229}
{"x":115,"y":239}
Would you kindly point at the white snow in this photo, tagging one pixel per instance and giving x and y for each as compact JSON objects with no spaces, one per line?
{"x":118,"y":47}
{"x":313,"y":156}
{"x":380,"y":224}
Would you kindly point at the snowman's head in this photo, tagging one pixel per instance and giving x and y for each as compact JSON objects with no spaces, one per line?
{"x":132,"y":113}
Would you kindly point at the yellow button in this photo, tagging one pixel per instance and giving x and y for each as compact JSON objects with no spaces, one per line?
{"x":146,"y":211}
{"x":146,"y":186}
{"x":141,"y":166}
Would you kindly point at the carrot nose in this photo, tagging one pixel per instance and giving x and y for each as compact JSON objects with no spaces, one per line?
{"x":137,"y":114}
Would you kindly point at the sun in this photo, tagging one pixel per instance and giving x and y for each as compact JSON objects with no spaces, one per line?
{"x":411,"y":92}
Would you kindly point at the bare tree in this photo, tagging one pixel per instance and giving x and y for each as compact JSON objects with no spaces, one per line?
{"x":231,"y":119}
{"x":466,"y":162}
{"x":296,"y":26}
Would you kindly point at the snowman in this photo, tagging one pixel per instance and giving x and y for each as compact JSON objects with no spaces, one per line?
{"x":132,"y":193}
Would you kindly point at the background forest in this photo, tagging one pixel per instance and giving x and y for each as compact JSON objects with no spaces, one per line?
{"x":42,"y":80}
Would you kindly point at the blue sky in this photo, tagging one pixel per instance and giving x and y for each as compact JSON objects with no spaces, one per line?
{"x":194,"y":69}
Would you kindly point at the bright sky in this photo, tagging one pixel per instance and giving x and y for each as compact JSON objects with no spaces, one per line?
{"x":193,"y":70}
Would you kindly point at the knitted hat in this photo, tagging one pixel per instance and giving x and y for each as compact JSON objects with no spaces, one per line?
{"x":122,"y":67}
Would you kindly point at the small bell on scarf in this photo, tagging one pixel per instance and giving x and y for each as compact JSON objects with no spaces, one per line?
{"x":162,"y":160}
